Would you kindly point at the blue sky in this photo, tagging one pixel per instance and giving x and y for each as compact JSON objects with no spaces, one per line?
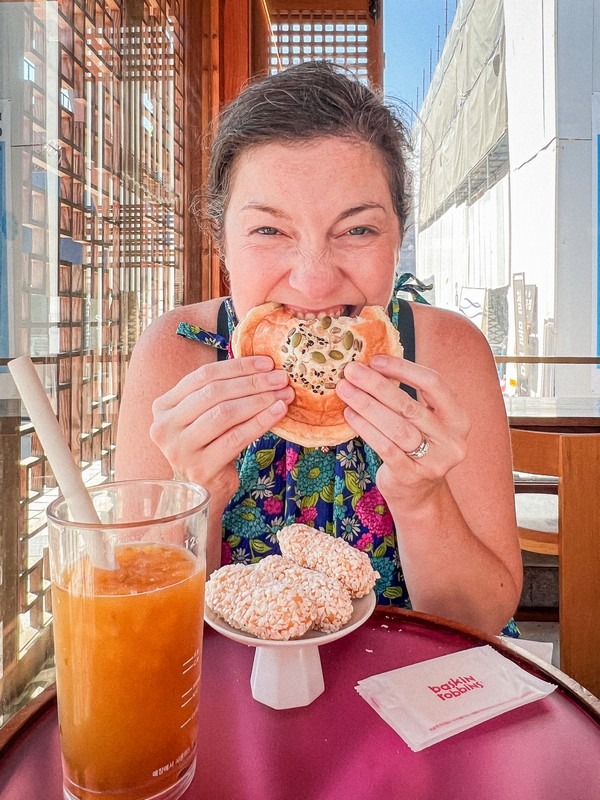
{"x":410,"y":31}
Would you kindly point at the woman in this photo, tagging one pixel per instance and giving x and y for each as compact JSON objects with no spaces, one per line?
{"x":308,"y":201}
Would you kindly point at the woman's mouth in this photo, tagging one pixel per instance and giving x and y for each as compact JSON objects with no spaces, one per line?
{"x":331,"y":311}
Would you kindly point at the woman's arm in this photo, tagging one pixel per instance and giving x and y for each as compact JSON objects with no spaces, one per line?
{"x":183,"y":414}
{"x":159,"y":361}
{"x":454,"y":508}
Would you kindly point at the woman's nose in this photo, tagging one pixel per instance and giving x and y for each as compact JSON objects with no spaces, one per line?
{"x":315,"y":274}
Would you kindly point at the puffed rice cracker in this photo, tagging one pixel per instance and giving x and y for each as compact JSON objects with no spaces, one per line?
{"x":318,"y":550}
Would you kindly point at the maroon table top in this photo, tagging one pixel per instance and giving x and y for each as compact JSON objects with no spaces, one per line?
{"x":338,"y":747}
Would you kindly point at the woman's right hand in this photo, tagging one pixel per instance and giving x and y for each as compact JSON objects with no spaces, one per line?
{"x":203,"y":423}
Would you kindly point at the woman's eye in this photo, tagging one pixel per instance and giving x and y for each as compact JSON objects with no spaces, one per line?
{"x":360,"y":230}
{"x":266,"y":230}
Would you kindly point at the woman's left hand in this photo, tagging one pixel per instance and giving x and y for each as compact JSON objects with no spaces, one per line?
{"x":395,"y":425}
{"x":453,"y":508}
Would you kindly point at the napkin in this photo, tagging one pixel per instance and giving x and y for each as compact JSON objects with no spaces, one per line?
{"x":433,"y":700}
{"x":543,"y":650}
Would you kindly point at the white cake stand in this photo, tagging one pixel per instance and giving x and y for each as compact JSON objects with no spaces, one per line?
{"x":288,"y":674}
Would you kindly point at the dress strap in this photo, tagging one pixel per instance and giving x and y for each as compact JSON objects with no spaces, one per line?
{"x":226,"y":321}
{"x":223,"y":330}
{"x":406,"y":328}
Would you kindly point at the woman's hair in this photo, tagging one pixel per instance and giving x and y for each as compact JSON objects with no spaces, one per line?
{"x":307,"y":101}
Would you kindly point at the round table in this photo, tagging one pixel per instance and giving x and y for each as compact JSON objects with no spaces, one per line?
{"x":338,"y":748}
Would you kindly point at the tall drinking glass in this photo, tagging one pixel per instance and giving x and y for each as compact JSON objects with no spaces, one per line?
{"x":128,"y":600}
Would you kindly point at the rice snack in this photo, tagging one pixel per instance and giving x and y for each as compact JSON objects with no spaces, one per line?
{"x":332,"y":603}
{"x":318,"y":550}
{"x":259,"y":604}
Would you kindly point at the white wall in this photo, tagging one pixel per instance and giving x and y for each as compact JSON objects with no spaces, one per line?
{"x":531,"y":99}
{"x":467,"y":246}
{"x":442,"y":252}
{"x":550,"y":47}
{"x":576,"y":299}
{"x":530,"y":77}
{"x":533,"y":226}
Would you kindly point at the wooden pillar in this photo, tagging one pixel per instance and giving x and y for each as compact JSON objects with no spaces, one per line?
{"x":260,"y":38}
{"x":10,"y":450}
{"x":217,"y":65}
{"x":197,"y":40}
{"x":375,"y":42}
{"x":237,"y":32}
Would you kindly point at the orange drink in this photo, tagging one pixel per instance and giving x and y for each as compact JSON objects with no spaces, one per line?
{"x":128,"y":671}
{"x":128,"y":645}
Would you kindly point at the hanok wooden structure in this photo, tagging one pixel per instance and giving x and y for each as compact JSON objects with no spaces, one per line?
{"x":108,"y":241}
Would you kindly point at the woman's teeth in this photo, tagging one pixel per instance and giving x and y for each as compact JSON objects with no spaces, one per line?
{"x":333,"y":311}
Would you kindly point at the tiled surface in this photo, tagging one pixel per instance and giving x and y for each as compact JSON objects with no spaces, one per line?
{"x":542,"y":632}
{"x":540,"y":581}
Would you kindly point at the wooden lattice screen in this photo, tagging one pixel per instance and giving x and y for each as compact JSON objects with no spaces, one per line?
{"x":106,"y":96}
{"x":348,"y":33}
{"x":96,"y":149}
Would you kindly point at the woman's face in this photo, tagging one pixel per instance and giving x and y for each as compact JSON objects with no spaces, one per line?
{"x":311,"y":225}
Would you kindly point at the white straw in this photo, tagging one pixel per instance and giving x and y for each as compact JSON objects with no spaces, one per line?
{"x":57,"y":451}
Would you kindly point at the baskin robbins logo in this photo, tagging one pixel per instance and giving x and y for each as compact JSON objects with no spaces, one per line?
{"x":455,"y":687}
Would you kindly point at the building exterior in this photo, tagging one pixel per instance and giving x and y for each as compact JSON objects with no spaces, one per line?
{"x":507,"y":213}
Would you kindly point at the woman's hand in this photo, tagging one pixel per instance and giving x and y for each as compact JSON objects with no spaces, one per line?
{"x":203,"y":423}
{"x":394,"y":424}
{"x":453,"y":507}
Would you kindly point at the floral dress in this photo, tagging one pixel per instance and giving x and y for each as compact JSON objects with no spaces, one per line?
{"x":329,"y":488}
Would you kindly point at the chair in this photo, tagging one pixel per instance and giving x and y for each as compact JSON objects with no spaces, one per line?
{"x":575,"y":460}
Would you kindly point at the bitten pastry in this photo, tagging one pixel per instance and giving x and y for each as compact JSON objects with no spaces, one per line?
{"x":314,"y":353}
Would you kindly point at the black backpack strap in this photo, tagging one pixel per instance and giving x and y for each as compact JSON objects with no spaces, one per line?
{"x":406,"y":328}
{"x":222,"y":330}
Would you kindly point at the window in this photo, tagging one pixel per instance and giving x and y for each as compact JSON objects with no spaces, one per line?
{"x":96,"y":254}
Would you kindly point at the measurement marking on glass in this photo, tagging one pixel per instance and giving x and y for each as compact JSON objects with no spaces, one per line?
{"x":192,"y":687}
{"x":190,"y":663}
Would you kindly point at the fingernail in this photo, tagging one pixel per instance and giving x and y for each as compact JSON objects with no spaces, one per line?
{"x":379,"y":361}
{"x":354,"y":368}
{"x":277,"y":408}
{"x":286,"y":394}
{"x":277,"y":377}
{"x":263,"y":363}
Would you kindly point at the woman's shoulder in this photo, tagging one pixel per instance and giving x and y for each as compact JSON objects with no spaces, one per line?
{"x":164,"y":328}
{"x":165,"y":356}
{"x":444,"y":336}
